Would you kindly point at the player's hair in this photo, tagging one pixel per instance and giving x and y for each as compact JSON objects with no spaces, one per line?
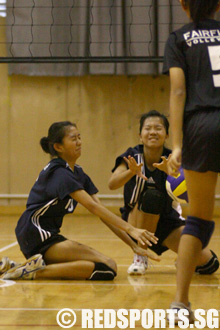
{"x":201,"y":9}
{"x":56,"y":134}
{"x":154,"y":113}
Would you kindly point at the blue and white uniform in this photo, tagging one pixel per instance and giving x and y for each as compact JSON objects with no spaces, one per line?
{"x":49,"y":200}
{"x":170,"y":215}
{"x":196,"y":50}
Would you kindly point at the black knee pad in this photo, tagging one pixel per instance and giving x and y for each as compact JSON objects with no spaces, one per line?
{"x":202,"y":229}
{"x":102,"y":272}
{"x":210,"y":267}
{"x":151,"y":201}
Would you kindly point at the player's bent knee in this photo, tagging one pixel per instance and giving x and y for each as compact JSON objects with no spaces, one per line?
{"x":202,"y":229}
{"x":210,"y":267}
{"x":151,"y":201}
{"x":102,"y":272}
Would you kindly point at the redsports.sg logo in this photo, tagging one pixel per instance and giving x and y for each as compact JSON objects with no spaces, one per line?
{"x":130,"y":319}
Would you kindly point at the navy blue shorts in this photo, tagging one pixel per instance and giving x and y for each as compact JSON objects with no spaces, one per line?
{"x":166,"y":225}
{"x":201,"y":141}
{"x":57,"y":238}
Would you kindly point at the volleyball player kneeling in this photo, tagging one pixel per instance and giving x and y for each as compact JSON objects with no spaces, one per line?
{"x":60,"y":186}
{"x":142,"y":170}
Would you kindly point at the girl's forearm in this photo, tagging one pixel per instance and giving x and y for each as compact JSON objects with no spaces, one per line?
{"x":118,"y":180}
{"x":122,"y":235}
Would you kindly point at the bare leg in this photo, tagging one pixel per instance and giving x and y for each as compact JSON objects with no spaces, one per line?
{"x":143,"y":220}
{"x":72,"y":260}
{"x":75,"y":270}
{"x":201,"y":192}
{"x":172,"y":242}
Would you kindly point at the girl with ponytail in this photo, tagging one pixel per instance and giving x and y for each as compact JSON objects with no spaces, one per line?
{"x":192,"y":60}
{"x":61,"y":185}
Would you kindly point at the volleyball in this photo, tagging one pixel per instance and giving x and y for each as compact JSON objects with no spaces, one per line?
{"x":176,"y":187}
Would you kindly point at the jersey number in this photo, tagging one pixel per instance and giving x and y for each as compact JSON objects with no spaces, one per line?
{"x":214,"y":54}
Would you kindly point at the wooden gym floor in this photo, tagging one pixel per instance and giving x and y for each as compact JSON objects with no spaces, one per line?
{"x":35,"y":304}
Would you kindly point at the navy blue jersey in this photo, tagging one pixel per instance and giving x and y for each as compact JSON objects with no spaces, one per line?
{"x":196,"y":50}
{"x":48,"y":202}
{"x":134,"y":187}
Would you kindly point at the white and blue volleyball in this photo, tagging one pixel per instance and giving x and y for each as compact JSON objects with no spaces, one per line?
{"x":176,"y":187}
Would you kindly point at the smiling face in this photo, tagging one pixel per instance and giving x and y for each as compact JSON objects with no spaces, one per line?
{"x":153,"y":133}
{"x":70,"y":148}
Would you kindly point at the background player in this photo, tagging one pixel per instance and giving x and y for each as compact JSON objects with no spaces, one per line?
{"x":192,"y":60}
{"x":60,"y":186}
{"x":146,"y":202}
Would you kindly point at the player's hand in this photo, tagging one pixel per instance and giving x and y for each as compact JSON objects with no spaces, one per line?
{"x":142,"y":252}
{"x":163,"y":166}
{"x":174,"y":162}
{"x":143,"y":236}
{"x":134,"y":167}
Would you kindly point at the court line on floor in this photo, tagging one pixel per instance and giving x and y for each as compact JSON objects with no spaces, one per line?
{"x":111,"y":284}
{"x":4,"y":283}
{"x":16,"y":243}
{"x":8,"y":246}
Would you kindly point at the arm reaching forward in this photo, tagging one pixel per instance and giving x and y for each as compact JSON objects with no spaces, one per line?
{"x":141,"y":235}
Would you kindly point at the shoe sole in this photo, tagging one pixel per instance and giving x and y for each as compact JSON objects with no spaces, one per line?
{"x":33,"y":258}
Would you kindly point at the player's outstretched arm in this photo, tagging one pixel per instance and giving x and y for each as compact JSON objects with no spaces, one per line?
{"x":141,"y":235}
{"x":120,"y":177}
{"x":122,"y":174}
{"x":127,"y":239}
